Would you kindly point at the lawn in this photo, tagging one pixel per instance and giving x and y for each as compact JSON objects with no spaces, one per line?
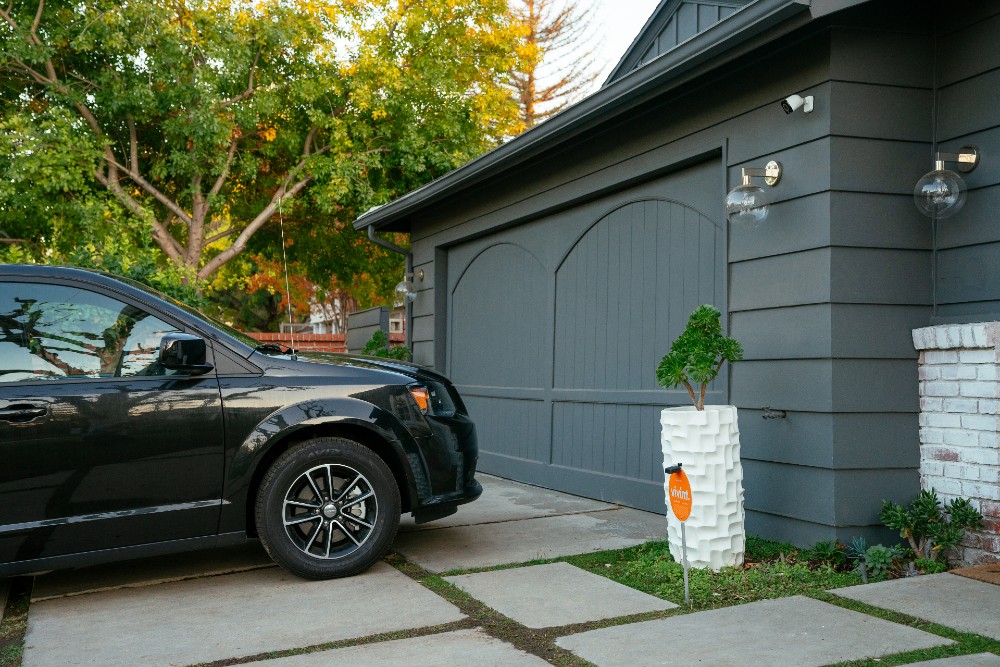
{"x":771,"y":570}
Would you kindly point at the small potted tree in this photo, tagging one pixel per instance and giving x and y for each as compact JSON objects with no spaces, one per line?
{"x":706,"y":440}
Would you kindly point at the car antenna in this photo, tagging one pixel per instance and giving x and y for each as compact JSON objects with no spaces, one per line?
{"x":288,"y":291}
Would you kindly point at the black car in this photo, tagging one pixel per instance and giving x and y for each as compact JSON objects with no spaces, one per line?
{"x":131,"y":425}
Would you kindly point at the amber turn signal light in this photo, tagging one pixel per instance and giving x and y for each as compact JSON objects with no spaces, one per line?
{"x":422,"y":397}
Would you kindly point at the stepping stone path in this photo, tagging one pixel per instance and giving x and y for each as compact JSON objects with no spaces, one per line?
{"x":977,"y":660}
{"x":490,"y":544}
{"x":955,"y":602}
{"x":450,"y":649}
{"x":235,"y":615}
{"x":232,"y":603}
{"x":544,"y":596}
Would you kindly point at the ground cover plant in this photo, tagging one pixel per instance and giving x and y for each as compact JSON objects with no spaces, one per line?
{"x":770,"y":570}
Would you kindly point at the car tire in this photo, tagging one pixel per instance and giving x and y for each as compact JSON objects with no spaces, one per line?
{"x":314,"y":533}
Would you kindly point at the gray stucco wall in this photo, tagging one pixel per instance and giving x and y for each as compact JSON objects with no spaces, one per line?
{"x":824,"y":294}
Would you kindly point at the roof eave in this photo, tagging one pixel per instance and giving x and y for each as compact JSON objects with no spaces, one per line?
{"x":745,"y":24}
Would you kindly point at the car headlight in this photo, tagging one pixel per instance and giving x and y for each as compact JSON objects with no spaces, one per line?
{"x":432,"y":399}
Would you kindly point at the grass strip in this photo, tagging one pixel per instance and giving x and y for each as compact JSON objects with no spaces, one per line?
{"x":966,"y":643}
{"x":536,"y":642}
{"x":772,"y":570}
{"x":344,"y":643}
{"x":15,"y":622}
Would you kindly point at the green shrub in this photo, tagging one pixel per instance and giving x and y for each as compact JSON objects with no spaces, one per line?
{"x":931,"y":528}
{"x":698,"y":354}
{"x":930,"y":566}
{"x":378,"y":346}
{"x":881,"y":561}
{"x":831,"y":554}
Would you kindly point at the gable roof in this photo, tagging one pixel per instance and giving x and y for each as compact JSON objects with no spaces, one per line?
{"x":710,"y":48}
{"x":671,"y":23}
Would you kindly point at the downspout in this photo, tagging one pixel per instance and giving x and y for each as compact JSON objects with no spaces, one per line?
{"x":408,"y":312}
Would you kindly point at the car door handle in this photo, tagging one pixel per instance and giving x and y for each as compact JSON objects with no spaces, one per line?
{"x":20,"y":414}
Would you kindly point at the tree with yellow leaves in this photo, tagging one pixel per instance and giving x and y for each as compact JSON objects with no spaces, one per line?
{"x":207,"y":119}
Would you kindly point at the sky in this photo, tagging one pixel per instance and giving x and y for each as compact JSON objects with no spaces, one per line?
{"x":620,"y":22}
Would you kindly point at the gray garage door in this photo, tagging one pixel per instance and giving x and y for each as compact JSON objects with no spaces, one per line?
{"x":555,"y":348}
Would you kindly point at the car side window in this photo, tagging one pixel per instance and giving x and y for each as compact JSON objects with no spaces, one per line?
{"x":56,"y":332}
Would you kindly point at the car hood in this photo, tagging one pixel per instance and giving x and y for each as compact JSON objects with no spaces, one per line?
{"x":406,"y":368}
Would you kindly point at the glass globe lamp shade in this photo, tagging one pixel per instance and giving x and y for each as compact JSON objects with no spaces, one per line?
{"x":404,"y":293}
{"x":746,"y":205}
{"x":940,"y":194}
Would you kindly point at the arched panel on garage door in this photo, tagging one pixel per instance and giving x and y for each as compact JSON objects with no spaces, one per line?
{"x":500,"y":350}
{"x":505,"y":349}
{"x":623,"y":292}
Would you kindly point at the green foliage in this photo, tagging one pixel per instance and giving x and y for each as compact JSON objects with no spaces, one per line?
{"x":857,"y":548}
{"x":932,"y":529}
{"x":201,"y":119}
{"x":378,"y":346}
{"x":881,"y":561}
{"x":831,"y":554}
{"x":697,"y":355}
{"x":127,"y":253}
{"x":930,"y":565}
{"x":771,"y":570}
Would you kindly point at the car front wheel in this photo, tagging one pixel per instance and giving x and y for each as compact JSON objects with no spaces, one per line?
{"x":328,"y":507}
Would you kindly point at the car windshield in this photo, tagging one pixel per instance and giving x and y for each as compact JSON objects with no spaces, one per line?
{"x":221,"y":326}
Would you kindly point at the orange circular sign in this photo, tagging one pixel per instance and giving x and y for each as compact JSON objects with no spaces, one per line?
{"x":679,"y":492}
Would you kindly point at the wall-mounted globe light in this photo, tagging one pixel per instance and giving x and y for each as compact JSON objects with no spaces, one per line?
{"x":404,"y":293}
{"x":748,"y":204}
{"x":941,"y":193}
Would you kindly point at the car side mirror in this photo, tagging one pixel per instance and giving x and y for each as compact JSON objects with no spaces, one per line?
{"x":184,"y":352}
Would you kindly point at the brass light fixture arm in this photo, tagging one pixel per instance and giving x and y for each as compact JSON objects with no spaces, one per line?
{"x":967,"y":159}
{"x":771,"y":173}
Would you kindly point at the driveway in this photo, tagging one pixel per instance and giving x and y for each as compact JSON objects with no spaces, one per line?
{"x":232,"y":606}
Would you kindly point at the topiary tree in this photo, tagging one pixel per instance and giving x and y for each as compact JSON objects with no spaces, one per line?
{"x":930,"y":527}
{"x":697,"y":355}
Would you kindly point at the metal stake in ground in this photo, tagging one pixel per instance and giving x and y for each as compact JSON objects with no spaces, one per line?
{"x":679,"y":495}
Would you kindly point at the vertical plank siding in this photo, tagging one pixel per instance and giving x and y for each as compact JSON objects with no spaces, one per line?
{"x":566,"y":278}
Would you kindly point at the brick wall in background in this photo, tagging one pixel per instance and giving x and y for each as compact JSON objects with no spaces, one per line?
{"x":316,"y":342}
{"x":960,"y":424}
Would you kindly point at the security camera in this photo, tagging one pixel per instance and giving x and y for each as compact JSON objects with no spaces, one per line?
{"x":793,"y":102}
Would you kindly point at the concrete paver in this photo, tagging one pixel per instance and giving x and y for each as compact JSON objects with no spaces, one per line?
{"x":506,"y":500}
{"x":234,"y":615}
{"x":542,"y":596}
{"x":975,"y":660}
{"x":489,"y":544}
{"x":789,"y":631}
{"x":146,"y":571}
{"x":955,"y":602}
{"x":449,"y":649}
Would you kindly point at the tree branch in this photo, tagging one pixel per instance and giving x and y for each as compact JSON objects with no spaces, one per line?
{"x":151,"y":189}
{"x":239,"y":245}
{"x":690,"y":390}
{"x":133,"y":145}
{"x":221,"y":180}
{"x":250,"y":84}
{"x":215,"y":237}
{"x":161,"y":234}
{"x":38,"y":17}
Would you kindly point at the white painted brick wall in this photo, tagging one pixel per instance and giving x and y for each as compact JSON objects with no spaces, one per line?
{"x":959,"y":381}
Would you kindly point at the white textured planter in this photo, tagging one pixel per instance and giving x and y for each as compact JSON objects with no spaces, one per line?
{"x":707,"y":442}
